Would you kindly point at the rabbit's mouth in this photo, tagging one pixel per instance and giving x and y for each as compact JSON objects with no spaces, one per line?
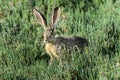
{"x":46,"y":41}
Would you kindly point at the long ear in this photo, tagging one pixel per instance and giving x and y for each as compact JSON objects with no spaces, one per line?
{"x":55,"y":15}
{"x":40,"y":18}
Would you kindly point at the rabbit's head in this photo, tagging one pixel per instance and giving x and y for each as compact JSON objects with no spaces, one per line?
{"x":49,"y":34}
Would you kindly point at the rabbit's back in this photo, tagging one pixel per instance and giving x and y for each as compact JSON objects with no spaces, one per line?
{"x":71,"y":41}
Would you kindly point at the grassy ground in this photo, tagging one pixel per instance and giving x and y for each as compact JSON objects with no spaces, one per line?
{"x":22,"y":54}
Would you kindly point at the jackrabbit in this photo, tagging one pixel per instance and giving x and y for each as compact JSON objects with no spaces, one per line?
{"x":52,"y":43}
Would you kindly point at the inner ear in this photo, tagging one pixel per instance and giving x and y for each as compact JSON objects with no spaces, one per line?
{"x":40,"y":18}
{"x":55,"y":16}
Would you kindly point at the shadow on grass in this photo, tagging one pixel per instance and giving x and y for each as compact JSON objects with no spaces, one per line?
{"x":44,"y":58}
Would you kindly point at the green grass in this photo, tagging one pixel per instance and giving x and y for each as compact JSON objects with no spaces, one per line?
{"x":22,"y":54}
